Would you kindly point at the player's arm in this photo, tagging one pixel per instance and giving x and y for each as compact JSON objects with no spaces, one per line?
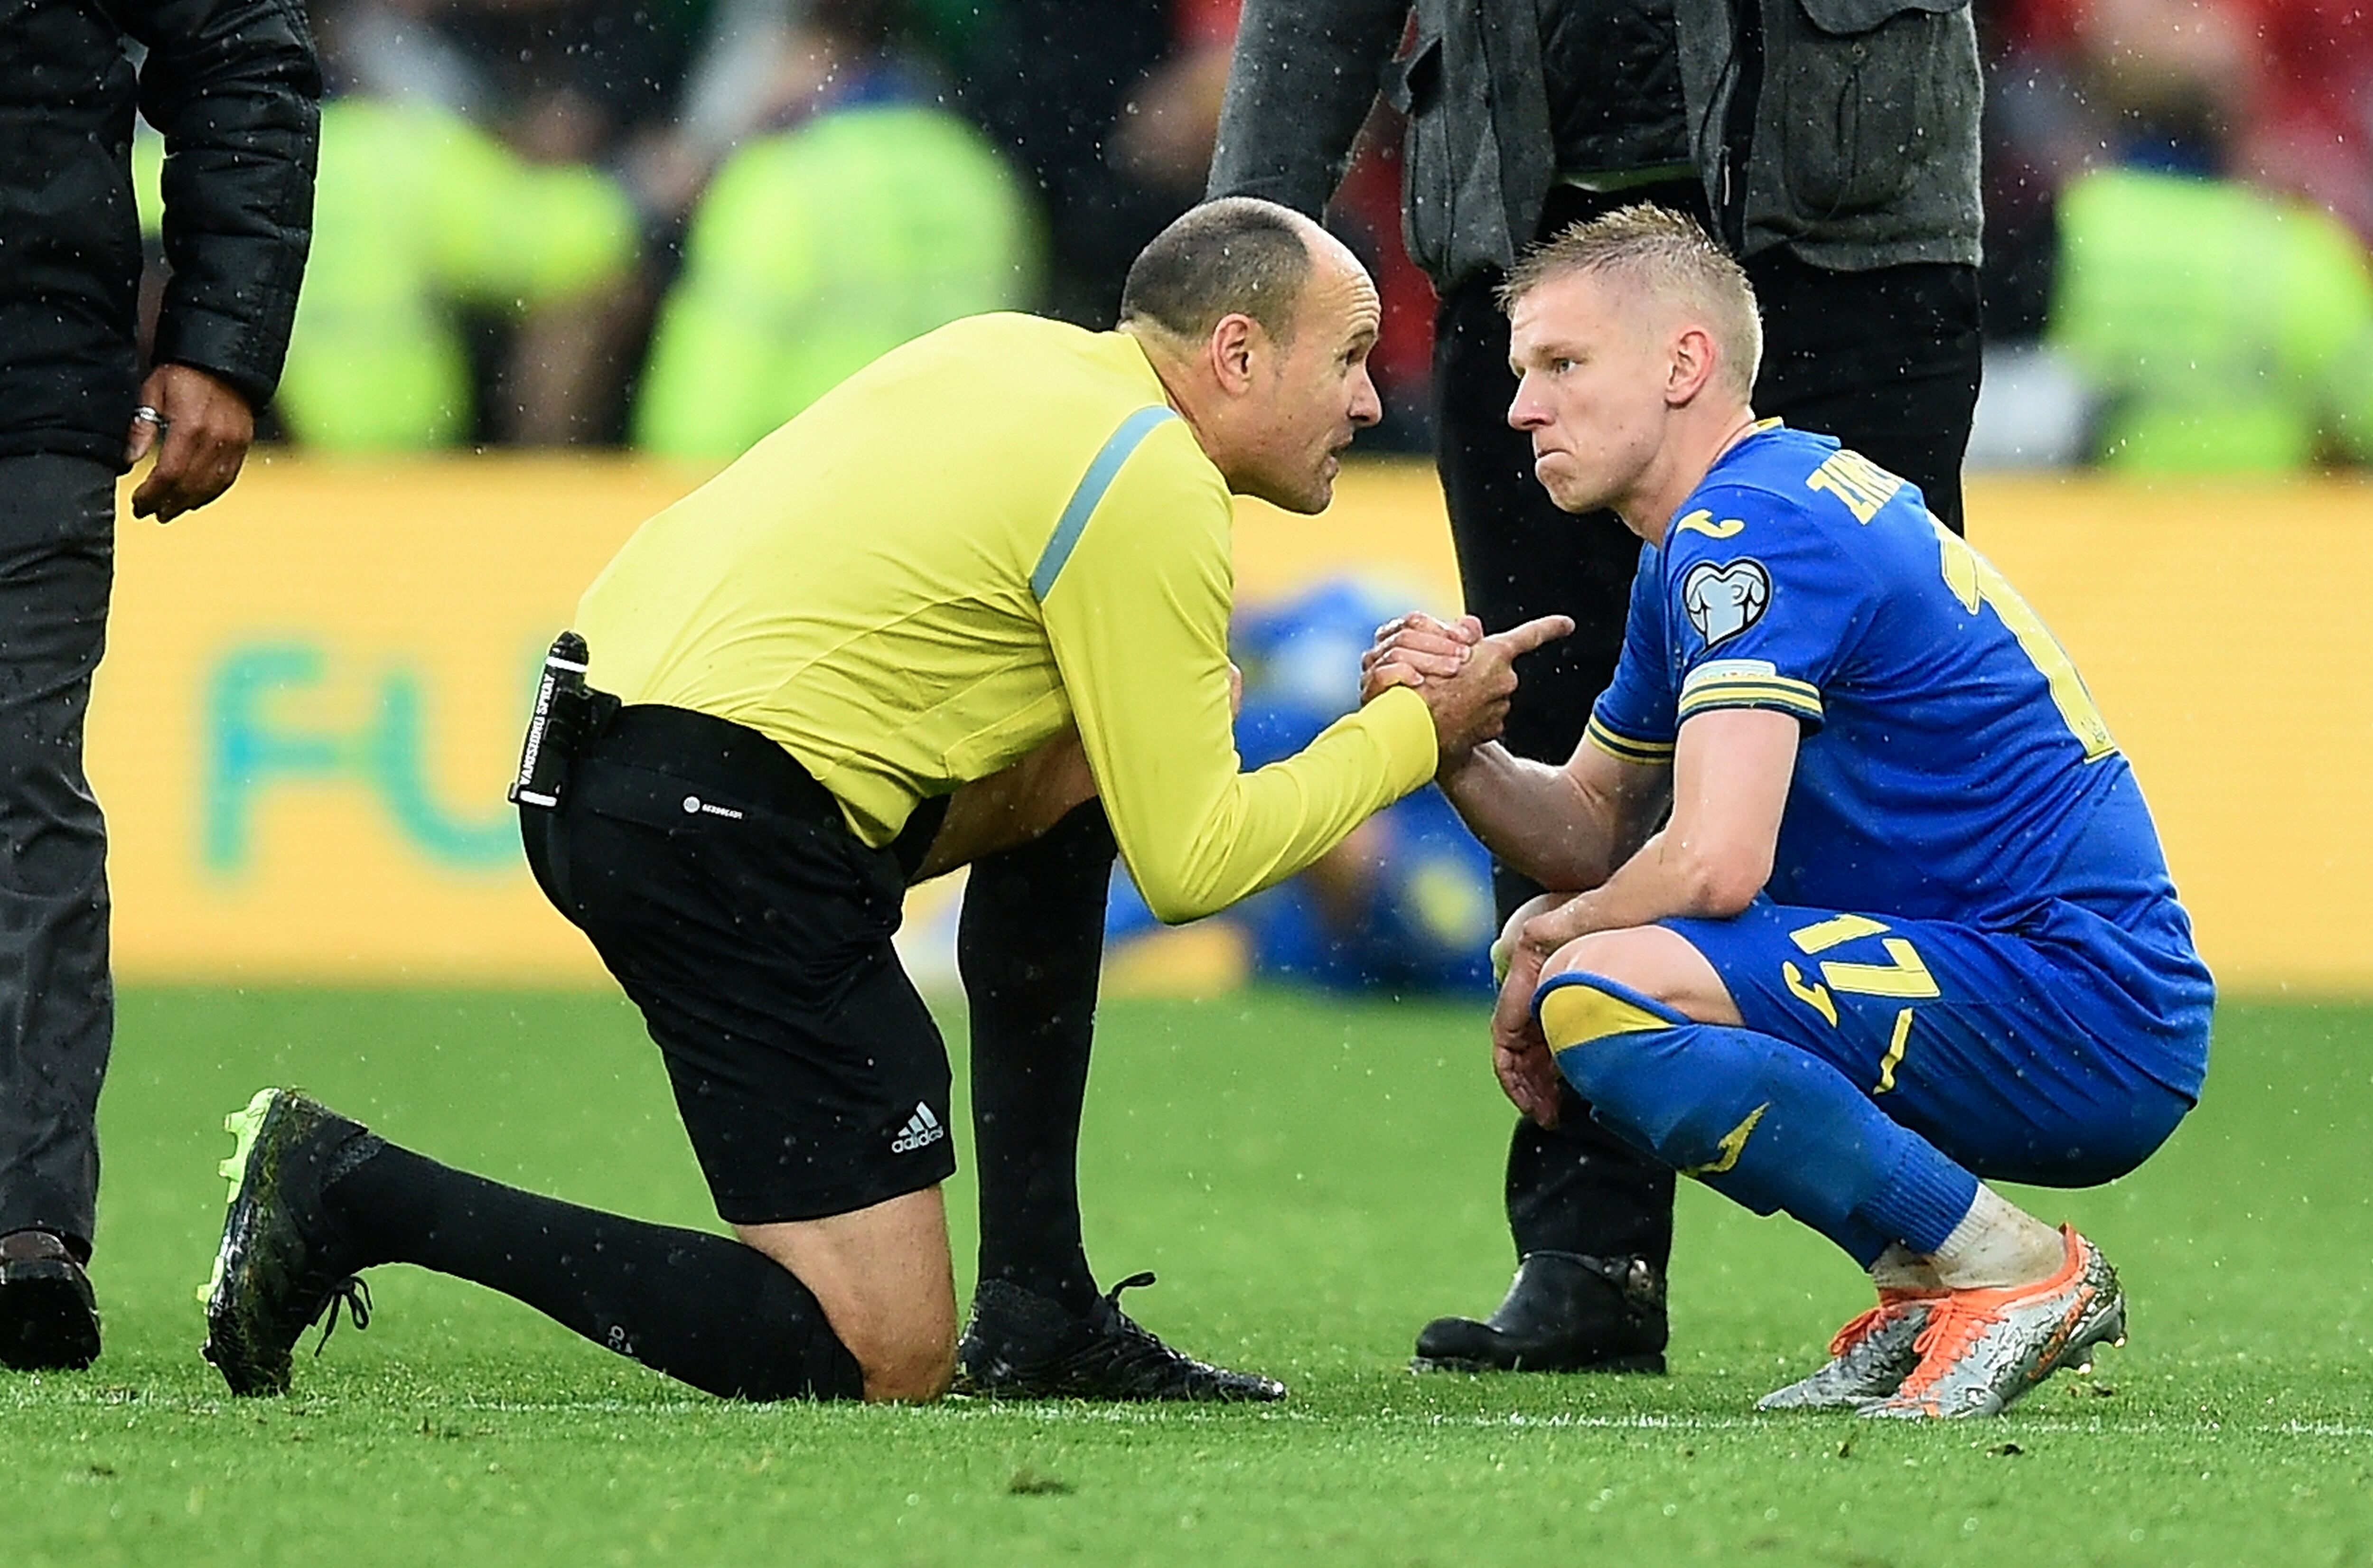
{"x":1566,"y":827}
{"x":1137,"y":618}
{"x":1731,"y":768}
{"x":1731,"y":771}
{"x":1763,"y":608}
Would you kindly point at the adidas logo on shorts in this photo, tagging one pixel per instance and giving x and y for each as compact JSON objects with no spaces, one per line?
{"x":922,"y":1130}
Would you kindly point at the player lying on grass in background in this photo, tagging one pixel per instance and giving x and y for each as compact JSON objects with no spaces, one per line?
{"x":1907,"y":923}
{"x":981,"y":582}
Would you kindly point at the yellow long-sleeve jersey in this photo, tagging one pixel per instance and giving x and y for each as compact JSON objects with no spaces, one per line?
{"x":997,"y":530}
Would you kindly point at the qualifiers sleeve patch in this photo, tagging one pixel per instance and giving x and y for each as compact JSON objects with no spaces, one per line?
{"x":1748,"y":683}
{"x":1724,"y":600}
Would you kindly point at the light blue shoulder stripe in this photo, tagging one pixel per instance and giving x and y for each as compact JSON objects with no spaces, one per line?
{"x":1093,"y":486}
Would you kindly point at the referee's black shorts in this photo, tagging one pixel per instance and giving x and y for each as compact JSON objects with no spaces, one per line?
{"x":720,"y":884}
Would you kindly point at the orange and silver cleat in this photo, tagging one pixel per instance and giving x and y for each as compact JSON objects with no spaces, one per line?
{"x":1981,"y":1350}
{"x":1869,"y":1358}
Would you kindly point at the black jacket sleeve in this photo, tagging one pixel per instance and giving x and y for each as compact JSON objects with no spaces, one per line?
{"x":235,"y":89}
{"x":1305,"y":76}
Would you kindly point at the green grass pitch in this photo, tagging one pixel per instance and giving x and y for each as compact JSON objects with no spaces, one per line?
{"x":1313,"y":1180}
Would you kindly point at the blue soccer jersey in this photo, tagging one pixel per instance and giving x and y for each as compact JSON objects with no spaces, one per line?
{"x":1953,"y":767}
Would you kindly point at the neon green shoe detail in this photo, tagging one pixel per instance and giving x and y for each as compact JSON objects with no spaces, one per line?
{"x":244,"y":1125}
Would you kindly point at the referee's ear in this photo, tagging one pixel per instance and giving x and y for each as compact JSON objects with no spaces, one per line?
{"x":1235,"y":349}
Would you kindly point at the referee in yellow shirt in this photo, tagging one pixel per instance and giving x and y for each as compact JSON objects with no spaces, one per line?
{"x":978,"y":591}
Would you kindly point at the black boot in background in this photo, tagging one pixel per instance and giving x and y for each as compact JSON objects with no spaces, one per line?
{"x":49,"y":1320}
{"x":1592,"y":1222}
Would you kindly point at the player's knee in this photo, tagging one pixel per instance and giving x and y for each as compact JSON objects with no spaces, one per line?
{"x":1597,"y":1026}
{"x":1649,"y":962}
{"x":1621,"y":956}
{"x":1629,"y":1057}
{"x":904,"y":1343}
{"x":881,"y":1280}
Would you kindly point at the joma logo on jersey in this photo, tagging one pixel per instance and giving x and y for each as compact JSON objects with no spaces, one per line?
{"x":1724,"y":600}
{"x":1701,"y":522}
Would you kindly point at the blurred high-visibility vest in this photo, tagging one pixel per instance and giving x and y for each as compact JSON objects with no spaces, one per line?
{"x":2228,"y":330}
{"x":815,"y":252}
{"x":416,"y":211}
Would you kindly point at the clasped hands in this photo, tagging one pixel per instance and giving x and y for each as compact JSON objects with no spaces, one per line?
{"x":1465,"y":675}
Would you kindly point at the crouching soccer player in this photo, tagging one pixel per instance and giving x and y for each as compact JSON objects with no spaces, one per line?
{"x":1907,"y":923}
{"x":986,"y":579}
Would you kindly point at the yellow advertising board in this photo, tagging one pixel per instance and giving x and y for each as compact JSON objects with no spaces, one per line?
{"x":311,"y":700}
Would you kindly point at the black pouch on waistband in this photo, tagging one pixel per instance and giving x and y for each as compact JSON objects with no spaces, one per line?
{"x":567,"y":714}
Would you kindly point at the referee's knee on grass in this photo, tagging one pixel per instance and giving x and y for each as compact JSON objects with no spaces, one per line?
{"x":902,"y":1339}
{"x":911,"y":1369}
{"x":787,"y":1346}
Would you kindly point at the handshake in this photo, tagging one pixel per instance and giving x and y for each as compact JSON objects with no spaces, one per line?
{"x":1465,"y":676}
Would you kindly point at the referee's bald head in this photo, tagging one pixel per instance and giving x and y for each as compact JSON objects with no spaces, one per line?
{"x":1258,"y":323}
{"x":1238,"y":255}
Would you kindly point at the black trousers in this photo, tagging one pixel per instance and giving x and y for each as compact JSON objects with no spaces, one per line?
{"x":1887,"y":361}
{"x":57,"y":1005}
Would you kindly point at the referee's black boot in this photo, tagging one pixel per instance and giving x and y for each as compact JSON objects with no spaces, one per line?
{"x":1022,"y":1345}
{"x":49,"y":1320}
{"x":1564,"y":1312}
{"x":282,"y":1263}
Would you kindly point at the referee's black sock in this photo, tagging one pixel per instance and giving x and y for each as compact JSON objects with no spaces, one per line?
{"x":1030,"y":943}
{"x":719,"y":1315}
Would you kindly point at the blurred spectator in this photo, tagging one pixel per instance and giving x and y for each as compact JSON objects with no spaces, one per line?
{"x":2082,"y":83}
{"x":2313,"y":131}
{"x":1171,"y":118}
{"x":560,"y":85}
{"x":1117,"y":124}
{"x":419,"y":216}
{"x":1405,"y":903}
{"x":2290,"y":83}
{"x":2187,"y":320}
{"x":2227,"y":329}
{"x":566,"y":80}
{"x":870,"y":217}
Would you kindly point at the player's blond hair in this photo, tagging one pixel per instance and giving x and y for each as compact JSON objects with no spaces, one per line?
{"x":1666,"y":254}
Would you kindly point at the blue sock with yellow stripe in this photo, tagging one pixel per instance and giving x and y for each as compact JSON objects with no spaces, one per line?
{"x":1757,"y":1121}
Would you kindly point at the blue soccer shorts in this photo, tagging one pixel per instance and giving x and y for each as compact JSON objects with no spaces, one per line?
{"x":2062,"y":1056}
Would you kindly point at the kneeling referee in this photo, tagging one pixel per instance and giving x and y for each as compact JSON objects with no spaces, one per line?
{"x":982,"y":582}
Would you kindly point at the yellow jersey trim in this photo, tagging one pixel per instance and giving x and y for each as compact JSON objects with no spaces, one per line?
{"x":1626,"y":748}
{"x":1795,"y":698}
